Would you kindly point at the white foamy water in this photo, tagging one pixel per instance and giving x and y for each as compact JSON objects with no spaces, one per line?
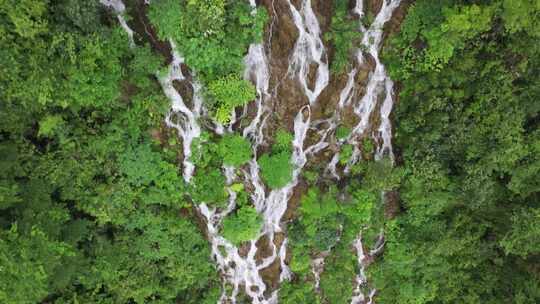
{"x":271,"y":206}
{"x":309,"y":49}
{"x":181,"y":117}
{"x":119,"y":8}
{"x":257,"y":71}
{"x":243,"y":273}
{"x":379,"y":83}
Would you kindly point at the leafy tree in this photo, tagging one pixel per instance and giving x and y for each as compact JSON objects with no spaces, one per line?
{"x":230,"y":92}
{"x":29,"y":263}
{"x":276,"y":169}
{"x":522,"y":239}
{"x":235,"y":150}
{"x":243,"y":226}
{"x":208,"y":186}
{"x":466,"y":134}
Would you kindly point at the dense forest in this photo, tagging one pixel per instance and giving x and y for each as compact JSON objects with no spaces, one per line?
{"x":269,"y":151}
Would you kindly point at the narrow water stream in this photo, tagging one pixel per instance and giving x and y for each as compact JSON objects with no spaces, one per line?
{"x":243,"y":271}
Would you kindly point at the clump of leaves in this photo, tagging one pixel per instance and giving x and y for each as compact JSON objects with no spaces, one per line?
{"x":342,"y":132}
{"x":208,"y":186}
{"x":230,"y":92}
{"x":346,"y":153}
{"x":243,"y":226}
{"x":235,"y":150}
{"x":276,"y":169}
{"x":283,"y":140}
{"x":367,"y":146}
{"x":49,"y":124}
{"x":343,"y":33}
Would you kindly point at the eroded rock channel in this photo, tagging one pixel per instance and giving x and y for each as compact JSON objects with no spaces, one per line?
{"x":295,"y":91}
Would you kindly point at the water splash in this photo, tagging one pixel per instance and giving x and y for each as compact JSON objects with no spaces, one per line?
{"x":309,"y":49}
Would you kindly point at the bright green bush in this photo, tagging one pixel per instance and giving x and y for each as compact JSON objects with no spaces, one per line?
{"x":342,"y":132}
{"x":242,"y":226}
{"x":345,"y":153}
{"x":235,"y":150}
{"x":276,"y":169}
{"x":228,"y":93}
{"x":212,"y":35}
{"x":283,"y":141}
{"x":208,"y":186}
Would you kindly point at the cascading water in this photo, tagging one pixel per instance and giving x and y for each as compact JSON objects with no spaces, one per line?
{"x":378,"y":82}
{"x":119,"y":8}
{"x":309,"y":49}
{"x":246,"y":270}
{"x":182,"y":118}
{"x":257,"y":71}
{"x":242,"y":271}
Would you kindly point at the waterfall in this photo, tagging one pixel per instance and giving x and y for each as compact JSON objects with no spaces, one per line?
{"x":119,"y":8}
{"x":243,"y":272}
{"x":271,"y":207}
{"x":246,"y":270}
{"x":309,"y":49}
{"x":257,"y":71}
{"x":378,"y":81}
{"x":182,"y":118}
{"x":361,"y":279}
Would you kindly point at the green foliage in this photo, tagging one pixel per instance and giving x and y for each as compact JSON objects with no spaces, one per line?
{"x":208,"y":186}
{"x":144,"y":64}
{"x":441,"y":29}
{"x":72,"y":15}
{"x":521,"y":15}
{"x":340,"y":267}
{"x":48,"y":124}
{"x":157,"y":256}
{"x":326,"y":223}
{"x":382,"y":176}
{"x":345,"y":153}
{"x":343,"y":34}
{"x":27,"y":16}
{"x":276,"y":166}
{"x":342,"y":132}
{"x":276,"y":169}
{"x":212,"y":35}
{"x":523,"y":239}
{"x":91,"y":210}
{"x":230,"y":92}
{"x":315,"y":209}
{"x":284,"y":141}
{"x":243,"y":226}
{"x":468,"y":135}
{"x":293,"y":293}
{"x":368,"y":147}
{"x":235,"y":150}
{"x":29,"y":263}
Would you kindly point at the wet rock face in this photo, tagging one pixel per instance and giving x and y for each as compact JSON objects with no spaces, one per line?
{"x":288,"y":96}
